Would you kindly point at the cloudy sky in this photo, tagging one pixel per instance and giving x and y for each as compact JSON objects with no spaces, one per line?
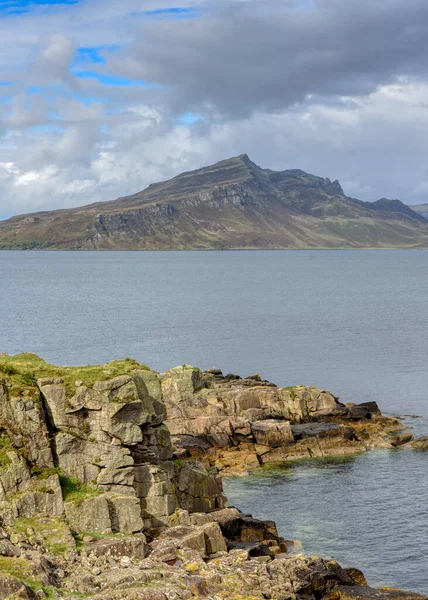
{"x":99,"y":98}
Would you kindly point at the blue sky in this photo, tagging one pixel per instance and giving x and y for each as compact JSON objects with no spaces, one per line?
{"x":99,"y":98}
{"x":11,"y":7}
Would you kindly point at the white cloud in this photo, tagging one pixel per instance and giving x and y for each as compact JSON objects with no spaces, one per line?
{"x":66,"y":141}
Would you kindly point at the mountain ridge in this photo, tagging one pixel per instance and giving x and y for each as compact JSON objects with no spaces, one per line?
{"x":233,"y":203}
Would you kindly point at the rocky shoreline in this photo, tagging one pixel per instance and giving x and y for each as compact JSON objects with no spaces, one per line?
{"x":238,"y":424}
{"x":110,"y":482}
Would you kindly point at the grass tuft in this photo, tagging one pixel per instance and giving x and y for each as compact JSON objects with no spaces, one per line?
{"x":74,"y":491}
{"x":5,"y":447}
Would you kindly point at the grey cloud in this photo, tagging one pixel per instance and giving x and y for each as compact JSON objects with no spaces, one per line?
{"x":26,"y":112}
{"x":244,"y":56}
{"x":249,"y":67}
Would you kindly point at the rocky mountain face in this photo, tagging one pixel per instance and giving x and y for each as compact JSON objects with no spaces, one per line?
{"x":232,"y":204}
{"x":101,"y":494}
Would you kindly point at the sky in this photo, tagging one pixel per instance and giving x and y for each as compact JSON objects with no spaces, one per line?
{"x":100,"y":98}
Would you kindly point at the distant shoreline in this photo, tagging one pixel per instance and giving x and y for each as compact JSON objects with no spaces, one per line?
{"x":102,"y":250}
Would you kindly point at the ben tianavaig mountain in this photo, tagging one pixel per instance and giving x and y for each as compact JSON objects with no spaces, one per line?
{"x":232,"y":204}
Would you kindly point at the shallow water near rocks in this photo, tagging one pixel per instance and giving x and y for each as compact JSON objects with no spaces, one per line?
{"x":354,"y":322}
{"x":360,"y":511}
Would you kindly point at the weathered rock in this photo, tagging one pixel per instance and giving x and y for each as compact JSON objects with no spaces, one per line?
{"x":195,"y":540}
{"x":112,"y":434}
{"x":357,"y":576}
{"x":214,"y":540}
{"x":214,"y":372}
{"x":372,"y":406}
{"x":304,"y":430}
{"x":199,"y":519}
{"x":400,"y":439}
{"x":9,"y":549}
{"x":420,"y":443}
{"x":125,"y":513}
{"x":358,"y":592}
{"x":11,"y":589}
{"x":156,"y":493}
{"x":15,"y":475}
{"x":25,"y":419}
{"x":199,"y":491}
{"x":357,"y":413}
{"x":245,"y":529}
{"x":272,"y":433}
{"x":181,"y":517}
{"x":116,"y":548}
{"x":89,"y":515}
{"x":39,"y":504}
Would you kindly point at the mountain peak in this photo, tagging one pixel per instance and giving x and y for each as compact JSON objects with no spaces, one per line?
{"x":397,"y":207}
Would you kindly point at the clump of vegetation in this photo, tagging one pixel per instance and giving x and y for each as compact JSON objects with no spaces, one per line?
{"x":75,"y":491}
{"x":45,"y":472}
{"x":28,"y":378}
{"x":22,"y":371}
{"x":21,"y":569}
{"x":7,"y":369}
{"x":5,"y":447}
{"x":292,"y":391}
{"x":5,"y":442}
{"x":180,"y":461}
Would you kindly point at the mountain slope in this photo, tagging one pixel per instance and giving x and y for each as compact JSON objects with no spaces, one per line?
{"x":421,"y":209}
{"x":232,"y":204}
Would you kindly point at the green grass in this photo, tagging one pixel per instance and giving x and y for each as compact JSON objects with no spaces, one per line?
{"x":75,"y":491}
{"x":55,"y":532}
{"x":5,"y":447}
{"x":22,"y":371}
{"x":5,"y":443}
{"x":45,"y":472}
{"x":21,"y":569}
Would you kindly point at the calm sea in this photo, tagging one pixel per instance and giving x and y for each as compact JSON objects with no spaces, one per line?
{"x":354,"y":322}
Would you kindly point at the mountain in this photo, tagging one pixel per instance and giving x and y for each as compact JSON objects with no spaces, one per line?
{"x":421,"y":209}
{"x":232,"y":204}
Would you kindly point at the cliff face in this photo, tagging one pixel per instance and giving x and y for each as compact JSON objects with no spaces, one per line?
{"x":101,"y":496}
{"x":232,"y":204}
{"x":106,"y":441}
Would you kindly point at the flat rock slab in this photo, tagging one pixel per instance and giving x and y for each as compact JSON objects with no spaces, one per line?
{"x":312,"y":429}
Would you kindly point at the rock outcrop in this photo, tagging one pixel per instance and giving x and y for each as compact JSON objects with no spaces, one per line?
{"x":239,"y":424}
{"x":101,"y":456}
{"x":102,"y":495}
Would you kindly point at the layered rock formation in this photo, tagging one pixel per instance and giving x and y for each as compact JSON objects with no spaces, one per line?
{"x":97,"y":502}
{"x":108,"y":440}
{"x":239,"y":424}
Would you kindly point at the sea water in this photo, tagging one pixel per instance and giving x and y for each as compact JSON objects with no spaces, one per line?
{"x":353,"y":322}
